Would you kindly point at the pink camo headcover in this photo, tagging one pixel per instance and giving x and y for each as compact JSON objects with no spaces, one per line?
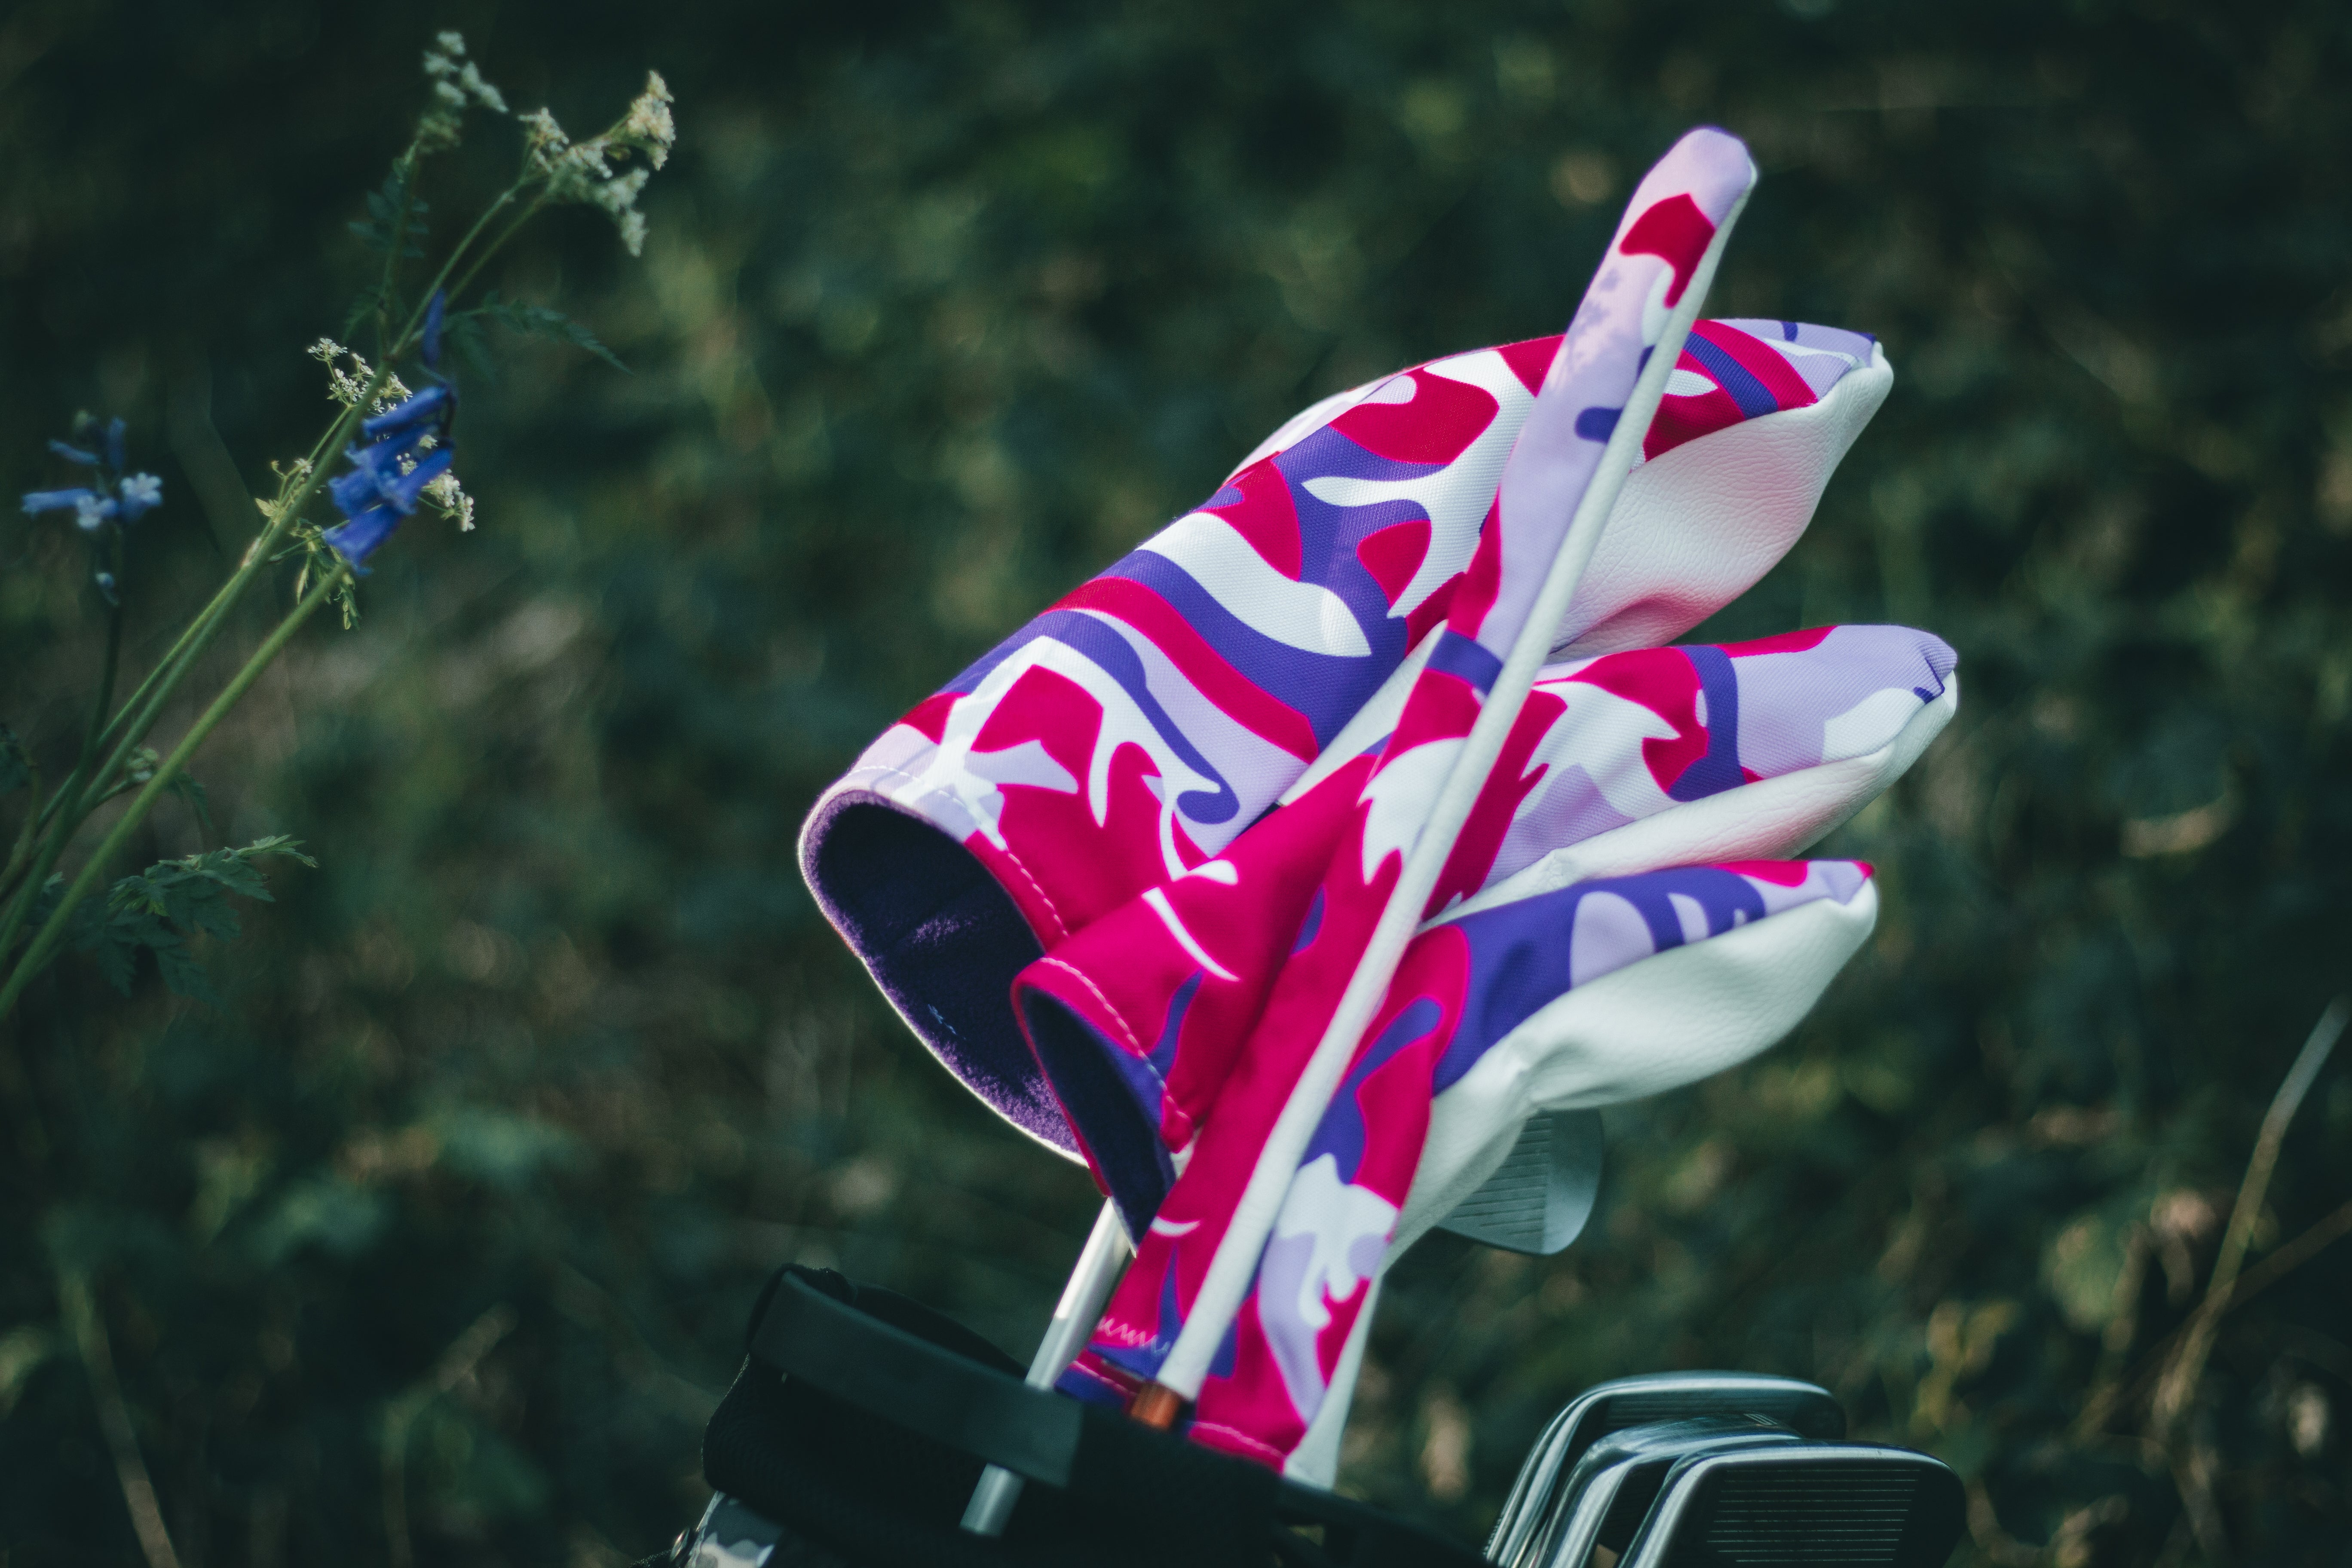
{"x":1467,"y":987}
{"x":1132,"y":730}
{"x":1070,"y":810}
{"x":1137,"y":1019}
{"x":1204,"y":1255}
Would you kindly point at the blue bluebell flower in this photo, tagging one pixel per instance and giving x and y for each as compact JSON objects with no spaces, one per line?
{"x":38,"y":502}
{"x":139,"y":493}
{"x":392,"y":469}
{"x":379,"y":492}
{"x":125,"y":499}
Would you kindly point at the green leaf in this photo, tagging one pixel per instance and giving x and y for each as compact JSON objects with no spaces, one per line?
{"x":183,"y":973}
{"x":190,"y":790}
{"x":385,"y":205}
{"x":155,"y":910}
{"x":466,"y":336}
{"x":364,"y":306}
{"x":538,"y":321}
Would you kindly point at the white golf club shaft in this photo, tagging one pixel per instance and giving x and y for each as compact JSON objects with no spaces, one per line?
{"x":1089,"y":1287}
{"x":1230,"y":1271}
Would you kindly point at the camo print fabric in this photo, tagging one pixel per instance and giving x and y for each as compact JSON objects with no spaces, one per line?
{"x":1163,"y":991}
{"x":1133,"y":730}
{"x":1463,"y":987}
{"x":1672,"y":218}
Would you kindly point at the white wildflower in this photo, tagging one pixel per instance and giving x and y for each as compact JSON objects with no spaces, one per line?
{"x":649,"y":122}
{"x":396,"y":391}
{"x":143,"y":490}
{"x":456,"y":83}
{"x":543,"y":140}
{"x":489,"y":97}
{"x":90,"y":512}
{"x":448,"y":494}
{"x":344,"y":389}
{"x":348,"y":388}
{"x":617,"y":197}
{"x":582,"y":171}
{"x":439,"y":129}
{"x":575,"y":172}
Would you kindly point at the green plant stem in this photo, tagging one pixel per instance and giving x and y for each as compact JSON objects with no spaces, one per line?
{"x":407,"y":165}
{"x":458,"y":1364}
{"x":498,"y":244}
{"x":146,"y":704}
{"x":190,"y":636}
{"x":81,"y":1312}
{"x":77,"y":789}
{"x":45,"y":942}
{"x":19,"y":852}
{"x":157,"y":688}
{"x":2178,"y":1387}
{"x":139,"y":710}
{"x":105,"y":682}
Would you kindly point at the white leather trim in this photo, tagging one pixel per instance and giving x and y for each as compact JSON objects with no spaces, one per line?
{"x":1688,"y":1014}
{"x":1695,"y":527}
{"x":1767,"y":820}
{"x":1667,"y":1021}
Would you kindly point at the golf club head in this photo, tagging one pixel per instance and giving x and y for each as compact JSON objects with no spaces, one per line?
{"x":1540,"y":1195}
{"x":1805,"y":1408}
{"x":1609,"y":1492}
{"x":1855,"y":1504}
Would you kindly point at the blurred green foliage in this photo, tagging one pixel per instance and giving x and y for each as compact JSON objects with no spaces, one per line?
{"x":432,"y":1241}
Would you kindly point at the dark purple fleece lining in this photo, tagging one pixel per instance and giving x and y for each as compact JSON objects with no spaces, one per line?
{"x":1117,"y":1114}
{"x":943,"y":942}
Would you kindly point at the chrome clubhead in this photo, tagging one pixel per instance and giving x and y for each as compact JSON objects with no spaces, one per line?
{"x":1804,"y":1408}
{"x":1540,"y":1195}
{"x":1855,"y":1504}
{"x":1609,"y":1491}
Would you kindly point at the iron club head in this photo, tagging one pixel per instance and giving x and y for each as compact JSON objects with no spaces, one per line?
{"x":1805,"y":1408}
{"x":1540,"y":1195}
{"x":1855,"y":1504}
{"x":1609,"y":1492}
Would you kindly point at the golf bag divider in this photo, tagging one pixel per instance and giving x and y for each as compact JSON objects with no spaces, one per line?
{"x":870,"y":1440}
{"x":808,"y":1333}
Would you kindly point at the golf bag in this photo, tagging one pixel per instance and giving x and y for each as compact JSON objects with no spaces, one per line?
{"x":861,"y":1422}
